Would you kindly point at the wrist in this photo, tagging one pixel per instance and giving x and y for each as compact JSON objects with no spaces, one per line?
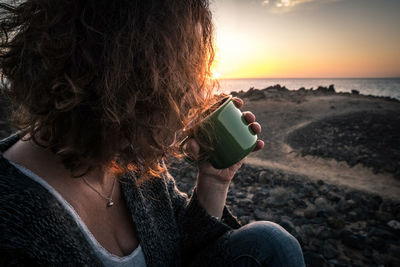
{"x":212,"y":183}
{"x":212,"y":196}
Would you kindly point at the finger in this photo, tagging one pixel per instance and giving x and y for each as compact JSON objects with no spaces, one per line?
{"x":239,"y":164}
{"x":249,"y":117}
{"x":238,"y":102}
{"x":256,"y":127}
{"x":259,"y":145}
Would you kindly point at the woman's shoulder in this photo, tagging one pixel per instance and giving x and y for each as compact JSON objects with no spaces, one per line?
{"x":13,"y":182}
{"x":31,"y":217}
{"x":16,"y":186}
{"x":19,"y":195}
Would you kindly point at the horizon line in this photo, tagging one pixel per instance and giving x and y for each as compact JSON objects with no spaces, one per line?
{"x":308,"y":78}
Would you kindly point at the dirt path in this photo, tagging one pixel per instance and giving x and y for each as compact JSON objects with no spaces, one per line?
{"x":279,"y":117}
{"x":337,"y":173}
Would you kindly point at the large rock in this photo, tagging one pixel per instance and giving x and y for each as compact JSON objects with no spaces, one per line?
{"x":381,"y":233}
{"x":288,"y":224}
{"x":329,"y":251}
{"x":325,"y":233}
{"x":326,"y":90}
{"x":253,"y":94}
{"x":313,"y":259}
{"x":353,"y":240}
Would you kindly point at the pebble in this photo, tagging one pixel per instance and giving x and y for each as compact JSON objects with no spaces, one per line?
{"x":326,"y":233}
{"x":394,"y":224}
{"x":353,"y":240}
{"x":381,"y":233}
{"x":352,"y":216}
{"x":314,"y":259}
{"x":378,"y":244}
{"x":287,"y":224}
{"x":329,"y":251}
{"x":263,"y":177}
{"x":336,"y":223}
{"x":396,"y":252}
{"x":383,"y":216}
{"x":310,"y":213}
{"x":379,"y":258}
{"x":263,"y":216}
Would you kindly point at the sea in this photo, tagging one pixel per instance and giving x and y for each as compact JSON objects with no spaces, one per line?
{"x":367,"y":86}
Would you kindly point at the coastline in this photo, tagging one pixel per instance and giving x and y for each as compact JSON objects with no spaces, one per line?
{"x":367,"y":86}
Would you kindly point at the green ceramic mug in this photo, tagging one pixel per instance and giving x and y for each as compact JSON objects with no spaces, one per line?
{"x":227,"y":136}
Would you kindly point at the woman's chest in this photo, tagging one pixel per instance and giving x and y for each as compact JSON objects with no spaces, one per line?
{"x":112,"y":227}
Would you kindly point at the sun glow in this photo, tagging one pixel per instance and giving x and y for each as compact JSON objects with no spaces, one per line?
{"x":253,"y":42}
{"x":215,"y":75}
{"x":237,"y":56}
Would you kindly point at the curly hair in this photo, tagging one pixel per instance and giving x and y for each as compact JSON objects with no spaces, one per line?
{"x":107,"y":83}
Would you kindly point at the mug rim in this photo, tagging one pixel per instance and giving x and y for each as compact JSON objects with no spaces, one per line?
{"x":225,"y":100}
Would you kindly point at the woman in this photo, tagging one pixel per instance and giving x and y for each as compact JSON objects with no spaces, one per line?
{"x":102,"y":91}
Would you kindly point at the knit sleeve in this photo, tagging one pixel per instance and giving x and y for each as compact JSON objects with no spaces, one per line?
{"x":198,"y":229}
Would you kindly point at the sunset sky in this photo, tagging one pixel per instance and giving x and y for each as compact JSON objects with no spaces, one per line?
{"x":307,"y":38}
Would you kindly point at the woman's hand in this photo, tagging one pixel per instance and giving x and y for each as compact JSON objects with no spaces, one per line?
{"x":224,"y":176}
{"x":213,"y":184}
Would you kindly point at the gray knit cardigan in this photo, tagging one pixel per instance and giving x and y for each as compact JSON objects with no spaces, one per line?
{"x":174,"y":230}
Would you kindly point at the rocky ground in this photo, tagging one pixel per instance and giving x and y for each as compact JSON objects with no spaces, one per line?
{"x":342,"y":138}
{"x":336,"y":226}
{"x":326,"y":173}
{"x":370,"y":138}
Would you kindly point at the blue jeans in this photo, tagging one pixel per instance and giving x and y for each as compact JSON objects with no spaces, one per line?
{"x":264,"y":243}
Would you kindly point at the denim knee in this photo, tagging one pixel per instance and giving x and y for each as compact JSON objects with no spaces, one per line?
{"x":264,"y":243}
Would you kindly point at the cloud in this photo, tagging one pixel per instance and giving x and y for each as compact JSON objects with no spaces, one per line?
{"x":265,"y":3}
{"x":283,"y":6}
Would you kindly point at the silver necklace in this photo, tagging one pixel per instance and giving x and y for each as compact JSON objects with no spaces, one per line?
{"x":110,"y":202}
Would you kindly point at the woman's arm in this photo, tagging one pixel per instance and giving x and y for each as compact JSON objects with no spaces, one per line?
{"x":212,"y":195}
{"x":213,"y":184}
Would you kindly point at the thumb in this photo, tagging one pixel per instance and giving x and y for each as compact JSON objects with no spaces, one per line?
{"x":192,"y":148}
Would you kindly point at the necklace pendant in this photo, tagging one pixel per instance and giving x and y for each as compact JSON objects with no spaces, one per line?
{"x":110,"y":203}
